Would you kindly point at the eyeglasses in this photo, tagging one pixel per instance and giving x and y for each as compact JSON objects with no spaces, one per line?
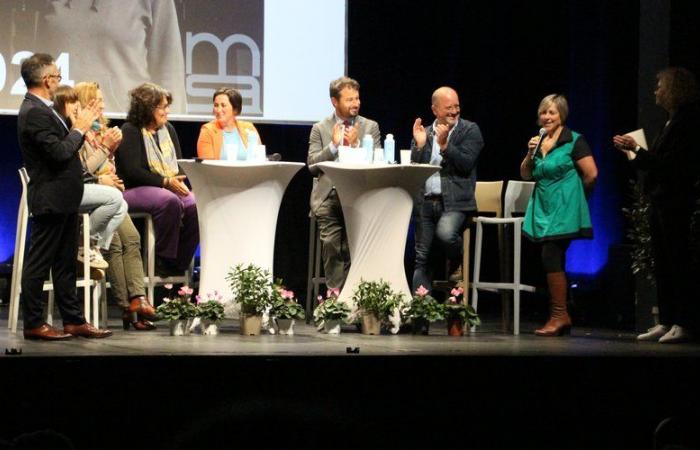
{"x":58,"y":77}
{"x":163,"y":108}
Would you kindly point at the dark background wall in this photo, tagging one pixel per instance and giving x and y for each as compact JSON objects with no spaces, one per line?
{"x":502,"y":57}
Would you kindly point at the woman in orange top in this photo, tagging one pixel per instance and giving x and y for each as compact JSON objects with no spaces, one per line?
{"x":226,"y":137}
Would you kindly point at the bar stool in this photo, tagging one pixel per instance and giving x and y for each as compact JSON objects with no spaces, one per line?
{"x":86,"y":283}
{"x":151,"y":280}
{"x":517,"y":196}
{"x":488,"y":200}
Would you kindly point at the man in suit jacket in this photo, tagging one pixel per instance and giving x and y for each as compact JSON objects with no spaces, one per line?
{"x":49,"y":149}
{"x":344,"y":127}
{"x":448,"y":196}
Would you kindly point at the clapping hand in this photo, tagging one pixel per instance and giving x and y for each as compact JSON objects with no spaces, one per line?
{"x":112,"y":138}
{"x":419,"y":134}
{"x":337,"y":134}
{"x":441,"y":133}
{"x":83,"y":118}
{"x":351,"y":135}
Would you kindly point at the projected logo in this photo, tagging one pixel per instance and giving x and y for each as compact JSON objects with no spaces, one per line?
{"x":224,"y":47}
{"x":244,"y":74}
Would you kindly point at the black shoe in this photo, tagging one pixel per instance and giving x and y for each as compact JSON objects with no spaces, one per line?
{"x":165,"y":268}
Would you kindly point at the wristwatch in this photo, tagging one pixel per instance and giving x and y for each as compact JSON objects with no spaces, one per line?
{"x":636,"y":149}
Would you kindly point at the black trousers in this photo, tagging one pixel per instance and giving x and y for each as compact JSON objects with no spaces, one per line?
{"x":675,"y":277}
{"x":53,"y":245}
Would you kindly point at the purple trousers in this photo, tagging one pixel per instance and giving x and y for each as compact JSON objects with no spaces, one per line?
{"x":174,"y":220}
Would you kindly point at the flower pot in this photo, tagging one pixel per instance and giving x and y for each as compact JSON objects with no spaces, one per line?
{"x":421,"y":326}
{"x":371,"y":324}
{"x":179,"y":327}
{"x":455,"y":327}
{"x":210,"y":327}
{"x":251,"y":324}
{"x":331,"y":326}
{"x":286,"y":326}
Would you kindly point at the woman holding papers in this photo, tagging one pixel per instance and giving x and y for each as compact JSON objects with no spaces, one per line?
{"x":226,"y":137}
{"x":561,"y":163}
{"x":672,"y":184}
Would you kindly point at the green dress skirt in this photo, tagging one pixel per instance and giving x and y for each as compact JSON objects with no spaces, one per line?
{"x":558,"y":208}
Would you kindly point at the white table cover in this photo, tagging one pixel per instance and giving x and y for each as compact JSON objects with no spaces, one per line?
{"x":237,"y":205}
{"x":377,"y":202}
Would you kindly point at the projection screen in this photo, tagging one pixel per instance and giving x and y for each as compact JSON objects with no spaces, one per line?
{"x":280,"y":54}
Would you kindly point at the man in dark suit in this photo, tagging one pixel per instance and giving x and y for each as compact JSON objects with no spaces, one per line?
{"x":448,"y":196}
{"x":344,"y":127}
{"x":49,"y":149}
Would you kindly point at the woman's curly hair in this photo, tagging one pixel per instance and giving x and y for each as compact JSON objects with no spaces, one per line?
{"x":144,"y":101}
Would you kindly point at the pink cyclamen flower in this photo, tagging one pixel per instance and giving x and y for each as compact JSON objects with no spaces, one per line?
{"x":168,"y":286}
{"x":188,"y":290}
{"x":181,"y":291}
{"x":320,"y":299}
{"x":198,"y":298}
{"x":457,"y":291}
{"x":332,"y":292}
{"x":452,"y":300}
{"x":421,"y":291}
{"x":287,"y":294}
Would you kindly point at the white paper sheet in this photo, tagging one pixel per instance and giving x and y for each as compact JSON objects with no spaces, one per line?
{"x":640,"y":138}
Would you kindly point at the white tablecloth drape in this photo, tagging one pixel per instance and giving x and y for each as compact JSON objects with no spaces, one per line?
{"x":377,"y":202}
{"x":237,"y":205}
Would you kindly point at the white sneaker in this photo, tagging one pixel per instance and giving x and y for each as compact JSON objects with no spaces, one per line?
{"x":653,"y":333}
{"x":677,"y":335}
{"x":96,"y":259}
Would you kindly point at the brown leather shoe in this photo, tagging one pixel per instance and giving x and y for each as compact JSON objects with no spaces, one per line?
{"x":142,"y":307}
{"x":45,"y":333}
{"x":86,"y":330}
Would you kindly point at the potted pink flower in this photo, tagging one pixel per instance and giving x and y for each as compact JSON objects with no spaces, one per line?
{"x":178,"y":311}
{"x":210,"y":311}
{"x":459,"y":314}
{"x":330,"y":313}
{"x":285,"y":309}
{"x":423,"y":310}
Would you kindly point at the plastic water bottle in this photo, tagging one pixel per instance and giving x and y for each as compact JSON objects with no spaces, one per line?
{"x":368,"y":146}
{"x":389,"y":147}
{"x":252,"y":144}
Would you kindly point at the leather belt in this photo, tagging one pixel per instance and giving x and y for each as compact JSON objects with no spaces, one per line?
{"x":434,"y":197}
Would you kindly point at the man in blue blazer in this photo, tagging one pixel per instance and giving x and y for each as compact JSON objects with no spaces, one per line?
{"x":447,"y":197}
{"x":49,"y":148}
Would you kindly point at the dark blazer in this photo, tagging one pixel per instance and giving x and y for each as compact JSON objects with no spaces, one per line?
{"x":131,"y":159}
{"x":458,"y":172}
{"x":673,"y":161}
{"x":50,"y":154}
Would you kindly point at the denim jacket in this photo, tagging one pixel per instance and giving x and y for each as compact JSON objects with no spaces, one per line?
{"x":458,"y":172}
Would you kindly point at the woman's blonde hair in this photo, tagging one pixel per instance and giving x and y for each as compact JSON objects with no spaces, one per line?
{"x":87,"y":92}
{"x":559,"y":102}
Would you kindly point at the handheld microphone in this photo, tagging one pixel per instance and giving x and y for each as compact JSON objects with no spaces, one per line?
{"x":539,"y":143}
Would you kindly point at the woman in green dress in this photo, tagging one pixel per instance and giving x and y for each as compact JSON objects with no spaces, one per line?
{"x":564,"y":171}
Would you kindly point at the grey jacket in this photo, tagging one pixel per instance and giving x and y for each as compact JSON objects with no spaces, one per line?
{"x":319,"y":151}
{"x":458,"y":172}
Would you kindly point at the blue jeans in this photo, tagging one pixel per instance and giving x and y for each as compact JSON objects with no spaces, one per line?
{"x":431,"y":222}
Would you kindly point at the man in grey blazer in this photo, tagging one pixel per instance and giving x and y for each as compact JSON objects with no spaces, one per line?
{"x":447,"y":197}
{"x":344,"y":127}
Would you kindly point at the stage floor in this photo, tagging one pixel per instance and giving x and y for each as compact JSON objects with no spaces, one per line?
{"x":595,"y":389}
{"x":488,"y":340}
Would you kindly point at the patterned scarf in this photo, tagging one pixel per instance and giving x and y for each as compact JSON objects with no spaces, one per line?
{"x":161,"y":160}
